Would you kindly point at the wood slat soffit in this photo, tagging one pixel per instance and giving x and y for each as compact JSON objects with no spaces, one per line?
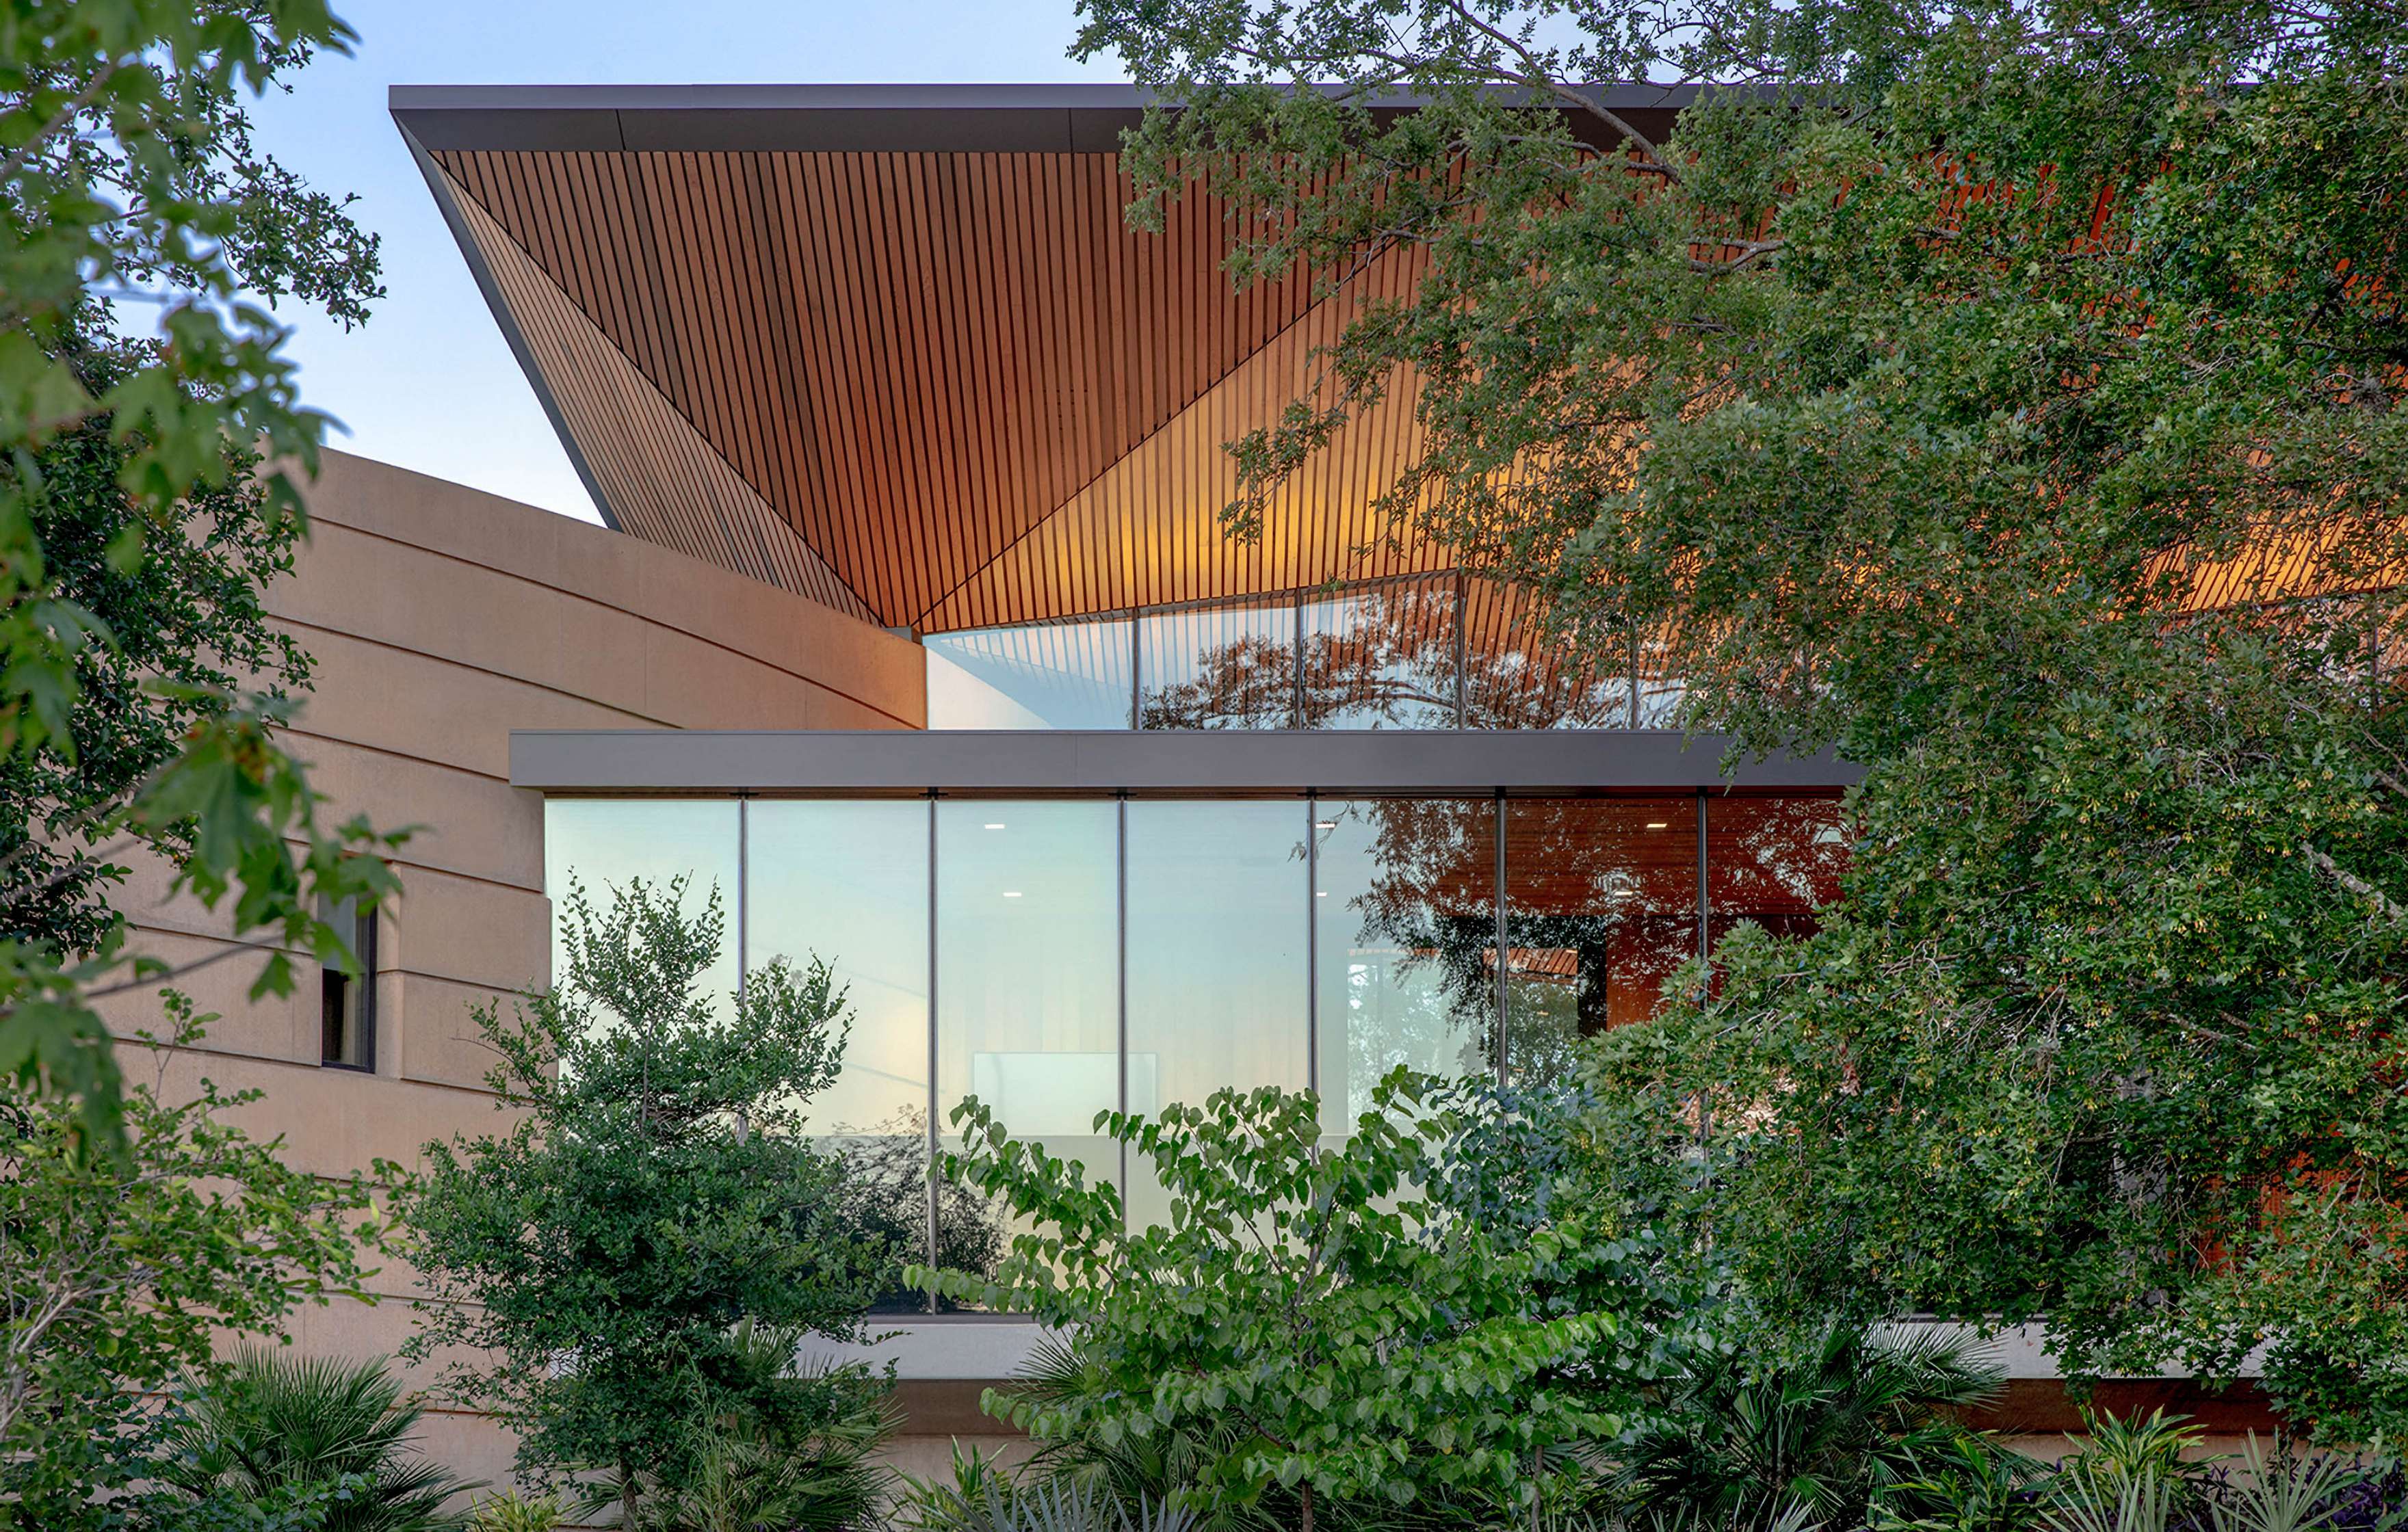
{"x":939,"y":390}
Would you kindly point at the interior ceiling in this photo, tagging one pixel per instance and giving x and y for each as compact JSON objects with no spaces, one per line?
{"x":898,"y":351}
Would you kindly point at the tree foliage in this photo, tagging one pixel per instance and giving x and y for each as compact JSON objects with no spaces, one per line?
{"x":655,"y":1198}
{"x":119,"y":1273}
{"x":145,"y":494}
{"x":2006,"y":397}
{"x":1390,"y":1321}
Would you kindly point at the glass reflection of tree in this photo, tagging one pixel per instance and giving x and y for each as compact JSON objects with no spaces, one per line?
{"x":1248,"y":683}
{"x":1388,"y":658}
{"x":1426,"y":915}
{"x":1774,"y":861}
{"x":887,"y":1181}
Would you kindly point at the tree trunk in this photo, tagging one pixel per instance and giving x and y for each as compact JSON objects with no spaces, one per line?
{"x":628,"y":1495}
{"x":1307,"y":1526}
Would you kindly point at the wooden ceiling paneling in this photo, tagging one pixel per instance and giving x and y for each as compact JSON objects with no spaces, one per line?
{"x":965,"y":384}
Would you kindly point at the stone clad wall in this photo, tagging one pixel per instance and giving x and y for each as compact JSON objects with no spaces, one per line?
{"x":440,"y":619}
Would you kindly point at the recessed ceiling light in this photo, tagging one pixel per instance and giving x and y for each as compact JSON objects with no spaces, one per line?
{"x":1011,"y":894}
{"x":1652,"y":824}
{"x":998,"y":825}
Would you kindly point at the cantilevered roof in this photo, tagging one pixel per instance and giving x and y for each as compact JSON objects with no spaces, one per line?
{"x":895,"y":347}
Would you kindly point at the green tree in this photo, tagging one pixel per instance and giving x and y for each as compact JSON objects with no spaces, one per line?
{"x":657,"y":1201}
{"x":1352,"y":1326}
{"x":147,"y":418}
{"x":119,"y":1273}
{"x":2005,"y":396}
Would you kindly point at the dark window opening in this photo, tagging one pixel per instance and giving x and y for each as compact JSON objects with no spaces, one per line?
{"x":349,"y":1026}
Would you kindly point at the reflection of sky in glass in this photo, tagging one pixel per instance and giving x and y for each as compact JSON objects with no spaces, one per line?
{"x":1218,"y":667}
{"x":604,"y":842}
{"x":1404,"y":907}
{"x":1217,"y":976}
{"x":847,"y":881}
{"x":1602,"y":906}
{"x":1028,"y":967}
{"x":1049,"y":676}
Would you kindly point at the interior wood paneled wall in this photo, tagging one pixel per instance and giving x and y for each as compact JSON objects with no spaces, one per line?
{"x":969,"y":389}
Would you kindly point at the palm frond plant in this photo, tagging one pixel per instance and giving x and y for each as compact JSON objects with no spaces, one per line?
{"x":2166,"y":1452}
{"x":1829,"y":1429}
{"x":510,"y":1511}
{"x":2143,"y":1501}
{"x":2286,"y":1492}
{"x":268,"y":1425}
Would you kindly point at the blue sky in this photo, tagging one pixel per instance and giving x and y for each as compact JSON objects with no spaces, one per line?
{"x":428,"y":382}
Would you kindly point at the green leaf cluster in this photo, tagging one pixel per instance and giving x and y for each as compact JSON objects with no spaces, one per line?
{"x":121,"y":1274}
{"x":145,"y":493}
{"x":1314,"y":1320}
{"x":2005,"y":396}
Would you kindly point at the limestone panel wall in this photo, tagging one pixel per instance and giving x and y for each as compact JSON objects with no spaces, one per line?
{"x":440,"y":619}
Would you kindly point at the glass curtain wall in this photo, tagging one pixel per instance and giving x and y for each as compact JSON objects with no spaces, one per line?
{"x":1217,"y":668}
{"x":1217,"y":953}
{"x":1420,"y":652}
{"x":1600,"y":907}
{"x":1773,"y":861}
{"x":1384,"y":657}
{"x":846,"y":884}
{"x":1045,"y":676}
{"x":1293,"y":942}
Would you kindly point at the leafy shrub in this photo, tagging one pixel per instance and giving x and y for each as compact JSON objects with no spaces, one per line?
{"x":120,"y":1275}
{"x":1338,"y":1323}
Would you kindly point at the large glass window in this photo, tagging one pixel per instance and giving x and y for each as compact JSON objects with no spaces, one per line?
{"x":847,"y":882}
{"x":1404,"y":895}
{"x":1044,"y":675}
{"x":1028,"y":967}
{"x":1773,"y":861}
{"x":1218,"y":978}
{"x":1600,"y":907}
{"x":605,"y":843}
{"x":1382,"y":657}
{"x":1517,"y":676}
{"x":1218,"y":667}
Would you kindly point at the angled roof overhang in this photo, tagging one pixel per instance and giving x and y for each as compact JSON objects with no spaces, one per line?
{"x":895,"y":348}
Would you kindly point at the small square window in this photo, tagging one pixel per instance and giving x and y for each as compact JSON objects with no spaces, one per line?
{"x":349,"y":1028}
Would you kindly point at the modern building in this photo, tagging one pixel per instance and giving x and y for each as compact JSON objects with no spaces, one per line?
{"x":915,"y":632}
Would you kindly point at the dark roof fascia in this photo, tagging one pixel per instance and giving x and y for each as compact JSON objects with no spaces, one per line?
{"x":1104,"y":762}
{"x":975,"y":119}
